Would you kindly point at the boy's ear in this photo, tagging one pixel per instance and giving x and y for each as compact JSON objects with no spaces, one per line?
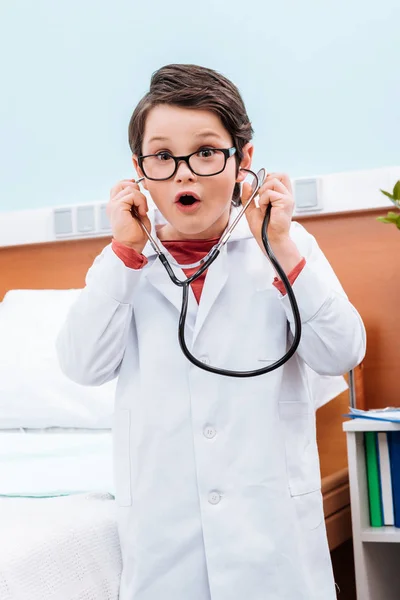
{"x":138,"y":170}
{"x":248,"y":150}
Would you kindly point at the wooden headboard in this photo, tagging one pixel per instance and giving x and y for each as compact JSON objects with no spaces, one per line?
{"x":56,"y":265}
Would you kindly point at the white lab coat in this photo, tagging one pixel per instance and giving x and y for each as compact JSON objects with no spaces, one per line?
{"x":217,"y":478}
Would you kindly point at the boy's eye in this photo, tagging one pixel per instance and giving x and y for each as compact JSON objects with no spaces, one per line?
{"x":163,"y":156}
{"x":206,"y":153}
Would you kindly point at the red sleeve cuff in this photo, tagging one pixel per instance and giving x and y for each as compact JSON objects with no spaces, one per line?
{"x":129,"y":256}
{"x":292,"y":276}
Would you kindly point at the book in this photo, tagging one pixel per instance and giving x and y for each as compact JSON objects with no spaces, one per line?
{"x":373,"y":479}
{"x":385,"y":479}
{"x":380,"y":414}
{"x":394,"y":452}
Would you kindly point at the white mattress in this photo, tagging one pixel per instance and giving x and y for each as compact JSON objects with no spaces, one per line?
{"x":55,"y":462}
{"x":64,"y":548}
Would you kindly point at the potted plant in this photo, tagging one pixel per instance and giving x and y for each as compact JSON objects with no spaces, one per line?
{"x":393,"y":217}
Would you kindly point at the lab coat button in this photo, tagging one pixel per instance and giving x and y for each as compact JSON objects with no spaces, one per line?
{"x":210,"y":432}
{"x":214,"y":498}
{"x":205,"y":360}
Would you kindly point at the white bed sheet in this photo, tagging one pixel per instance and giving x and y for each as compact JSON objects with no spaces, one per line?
{"x":55,"y":462}
{"x":64,"y":548}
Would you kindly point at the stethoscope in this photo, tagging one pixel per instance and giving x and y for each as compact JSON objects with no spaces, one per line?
{"x":203,"y":265}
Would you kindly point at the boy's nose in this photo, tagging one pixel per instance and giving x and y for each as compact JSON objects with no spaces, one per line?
{"x":183,"y":172}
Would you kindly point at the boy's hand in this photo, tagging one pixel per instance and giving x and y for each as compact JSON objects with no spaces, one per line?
{"x":277,"y":191}
{"x":125,"y":227}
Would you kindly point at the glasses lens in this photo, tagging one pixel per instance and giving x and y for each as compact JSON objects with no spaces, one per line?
{"x":207,"y":161}
{"x":158,"y":166}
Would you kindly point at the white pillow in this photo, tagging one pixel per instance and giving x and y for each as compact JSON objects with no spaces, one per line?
{"x":34,"y":393}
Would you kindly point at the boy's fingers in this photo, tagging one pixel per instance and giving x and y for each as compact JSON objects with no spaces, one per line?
{"x":140,"y":205}
{"x":132,"y":199}
{"x":283,"y":178}
{"x":274,"y":184}
{"x":270,"y":196}
{"x":122,"y":185}
{"x":124,"y":192}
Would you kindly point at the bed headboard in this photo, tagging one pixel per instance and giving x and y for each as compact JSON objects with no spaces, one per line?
{"x":56,"y":265}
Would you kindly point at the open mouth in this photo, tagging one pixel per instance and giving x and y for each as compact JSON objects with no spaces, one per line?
{"x":187,"y":200}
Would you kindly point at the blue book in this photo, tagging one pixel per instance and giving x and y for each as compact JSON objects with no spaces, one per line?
{"x":378,"y":414}
{"x":394,"y":451}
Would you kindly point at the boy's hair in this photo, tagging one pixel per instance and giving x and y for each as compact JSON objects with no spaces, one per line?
{"x":192,"y":86}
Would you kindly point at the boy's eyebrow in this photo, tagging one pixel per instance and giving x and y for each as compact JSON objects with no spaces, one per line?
{"x":208,"y":133}
{"x":158,"y":138}
{"x":202,"y":134}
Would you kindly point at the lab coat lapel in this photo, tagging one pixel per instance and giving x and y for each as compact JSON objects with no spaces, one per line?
{"x":159,"y":279}
{"x":215,"y":281}
{"x":217,"y":274}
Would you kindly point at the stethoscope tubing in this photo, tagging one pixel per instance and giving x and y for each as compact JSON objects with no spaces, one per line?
{"x":207,"y":261}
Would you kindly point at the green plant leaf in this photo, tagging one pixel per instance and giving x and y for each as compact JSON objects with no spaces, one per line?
{"x":396,"y":191}
{"x":391,"y":217}
{"x":388,"y":194}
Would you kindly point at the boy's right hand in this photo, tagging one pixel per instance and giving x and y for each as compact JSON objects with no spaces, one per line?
{"x":125,"y":228}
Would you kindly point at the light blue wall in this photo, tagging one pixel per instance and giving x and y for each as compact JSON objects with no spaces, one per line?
{"x":320,"y":78}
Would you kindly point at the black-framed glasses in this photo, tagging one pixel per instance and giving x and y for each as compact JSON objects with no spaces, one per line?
{"x":204,"y":163}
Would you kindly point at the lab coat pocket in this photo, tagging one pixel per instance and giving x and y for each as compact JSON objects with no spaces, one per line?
{"x":121,"y":457}
{"x":302,"y":462}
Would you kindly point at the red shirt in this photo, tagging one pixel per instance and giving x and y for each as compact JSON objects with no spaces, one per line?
{"x":190,"y":251}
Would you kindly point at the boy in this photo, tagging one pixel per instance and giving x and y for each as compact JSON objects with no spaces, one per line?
{"x":217,"y":478}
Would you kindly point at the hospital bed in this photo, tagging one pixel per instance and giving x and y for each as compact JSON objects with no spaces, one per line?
{"x":58,"y":531}
{"x":63,"y":548}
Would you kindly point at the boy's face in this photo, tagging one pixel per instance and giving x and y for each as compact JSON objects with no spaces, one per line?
{"x":181,"y":131}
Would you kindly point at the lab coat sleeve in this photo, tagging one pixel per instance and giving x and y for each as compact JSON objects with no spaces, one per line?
{"x":92,"y":341}
{"x":333,"y":337}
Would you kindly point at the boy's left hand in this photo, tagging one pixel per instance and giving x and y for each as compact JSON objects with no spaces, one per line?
{"x":277,"y":191}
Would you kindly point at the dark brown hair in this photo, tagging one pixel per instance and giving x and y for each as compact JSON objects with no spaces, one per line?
{"x":192,"y":86}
